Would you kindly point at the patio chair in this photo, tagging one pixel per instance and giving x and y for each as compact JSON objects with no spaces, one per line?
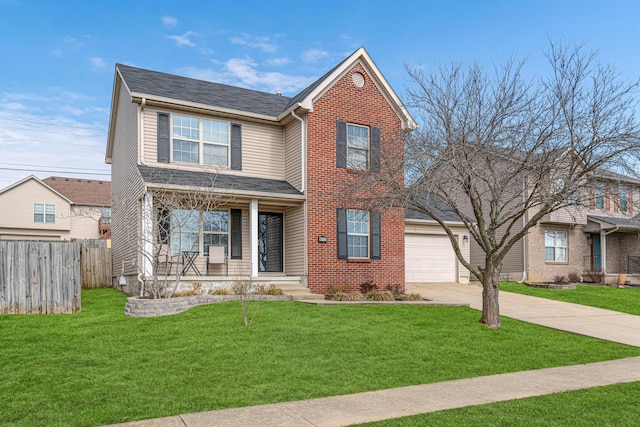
{"x":217,"y":256}
{"x":165,"y":258}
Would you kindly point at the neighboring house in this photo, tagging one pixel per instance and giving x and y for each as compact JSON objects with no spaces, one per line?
{"x":592,"y":239}
{"x":276,"y":164}
{"x":55,"y":208}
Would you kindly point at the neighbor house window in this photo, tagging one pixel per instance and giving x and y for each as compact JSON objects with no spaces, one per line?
{"x":44,"y":212}
{"x":357,"y":233}
{"x":555,"y":246}
{"x":357,"y":147}
{"x":194,"y":230}
{"x":623,"y":201}
{"x":599,"y":197}
{"x":192,"y":136}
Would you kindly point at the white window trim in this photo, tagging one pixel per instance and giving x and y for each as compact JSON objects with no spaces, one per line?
{"x":368,"y":165}
{"x":556,"y":247}
{"x":44,"y":213}
{"x":368,"y":234}
{"x":201,"y":142}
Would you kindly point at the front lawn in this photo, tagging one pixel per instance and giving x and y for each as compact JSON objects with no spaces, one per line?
{"x":99,"y":366}
{"x":625,"y":300}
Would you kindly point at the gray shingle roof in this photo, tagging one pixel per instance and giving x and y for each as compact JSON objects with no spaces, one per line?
{"x":438,"y":206}
{"x":620,"y":222}
{"x":202,"y":92}
{"x":179,"y":177}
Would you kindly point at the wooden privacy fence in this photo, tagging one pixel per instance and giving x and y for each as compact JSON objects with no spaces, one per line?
{"x":96,"y":267}
{"x":39,"y":277}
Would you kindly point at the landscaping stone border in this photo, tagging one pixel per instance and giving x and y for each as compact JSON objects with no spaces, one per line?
{"x":147,"y":307}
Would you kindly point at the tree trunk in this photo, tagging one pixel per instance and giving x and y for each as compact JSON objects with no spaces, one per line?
{"x":490,"y":305}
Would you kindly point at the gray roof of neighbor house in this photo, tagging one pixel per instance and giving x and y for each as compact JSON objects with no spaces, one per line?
{"x":618,"y":222}
{"x":220,"y":181}
{"x":439,"y":206}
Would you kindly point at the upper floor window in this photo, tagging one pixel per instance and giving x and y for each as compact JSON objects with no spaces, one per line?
{"x":555,"y":246}
{"x":105,"y":212}
{"x":44,"y":212}
{"x":599,"y":197}
{"x":357,"y":147}
{"x":202,"y":141}
{"x":623,"y":201}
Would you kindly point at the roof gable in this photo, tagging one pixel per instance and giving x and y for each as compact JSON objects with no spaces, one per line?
{"x":35,"y":179}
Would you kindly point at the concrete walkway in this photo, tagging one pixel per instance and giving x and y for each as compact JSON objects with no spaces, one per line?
{"x":405,"y":401}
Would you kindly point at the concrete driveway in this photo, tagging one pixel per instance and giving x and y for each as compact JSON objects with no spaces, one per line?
{"x":579,"y":319}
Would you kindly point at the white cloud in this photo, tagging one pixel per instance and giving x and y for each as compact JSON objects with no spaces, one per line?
{"x":245,"y":73}
{"x":13,"y":106}
{"x":169,"y":21}
{"x":184,"y":39}
{"x":279,"y":61}
{"x":266,"y":44}
{"x":314,"y":55}
{"x":97,"y":62}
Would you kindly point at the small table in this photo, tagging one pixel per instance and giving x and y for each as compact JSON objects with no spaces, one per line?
{"x":189,"y":262}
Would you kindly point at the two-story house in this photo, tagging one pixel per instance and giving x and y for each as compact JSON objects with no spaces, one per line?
{"x":200,"y":167}
{"x":55,"y":208}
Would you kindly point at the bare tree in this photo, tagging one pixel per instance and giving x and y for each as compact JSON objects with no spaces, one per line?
{"x":174,"y":222}
{"x":502,"y":151}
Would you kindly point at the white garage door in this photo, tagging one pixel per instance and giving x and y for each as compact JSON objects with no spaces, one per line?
{"x":429,"y":258}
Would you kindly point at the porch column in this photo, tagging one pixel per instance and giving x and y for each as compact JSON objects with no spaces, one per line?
{"x":147,"y":235}
{"x":253,"y":239}
{"x":603,"y":253}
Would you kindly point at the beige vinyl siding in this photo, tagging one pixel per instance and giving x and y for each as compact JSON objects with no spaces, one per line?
{"x":513,"y":262}
{"x":84,"y":222}
{"x":16,"y":206}
{"x":127,"y":188}
{"x":292,"y":159}
{"x":294,"y":241}
{"x":263,"y":151}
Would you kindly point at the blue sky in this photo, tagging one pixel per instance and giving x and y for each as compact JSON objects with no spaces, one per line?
{"x":58,"y":58}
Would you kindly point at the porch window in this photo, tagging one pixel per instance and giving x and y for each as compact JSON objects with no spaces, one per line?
{"x":192,"y":136}
{"x":555,"y":246}
{"x":194,"y":230}
{"x":44,"y":212}
{"x":357,"y":233}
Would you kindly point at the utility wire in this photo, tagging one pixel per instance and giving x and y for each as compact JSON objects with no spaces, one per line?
{"x":51,"y":166}
{"x":52,"y":171}
{"x":52,"y":142}
{"x":52,"y":124}
{"x":41,"y":130}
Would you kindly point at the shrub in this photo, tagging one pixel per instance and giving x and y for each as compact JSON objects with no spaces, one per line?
{"x":409,"y":297}
{"x":333,"y":289}
{"x":220,"y":291}
{"x":367,"y":287}
{"x":380,"y":296}
{"x":270,"y":290}
{"x":348,"y":296}
{"x":574,"y":277}
{"x":394,"y":289}
{"x":558,"y":278}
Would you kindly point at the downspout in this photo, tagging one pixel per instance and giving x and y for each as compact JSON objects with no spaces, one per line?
{"x":525,"y":240}
{"x":603,"y":250}
{"x":141,"y":132}
{"x":303,"y":145}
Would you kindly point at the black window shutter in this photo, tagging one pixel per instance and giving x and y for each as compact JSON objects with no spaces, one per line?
{"x":375,"y":235}
{"x":236,"y":234}
{"x":341,"y":144}
{"x":375,"y":149}
{"x":163,"y":138}
{"x":236,"y":146}
{"x":164,"y":224}
{"x":342,"y":233}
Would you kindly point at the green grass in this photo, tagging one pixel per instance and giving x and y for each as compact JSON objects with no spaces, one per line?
{"x":99,"y":366}
{"x":625,"y":300}
{"x":614,"y":406}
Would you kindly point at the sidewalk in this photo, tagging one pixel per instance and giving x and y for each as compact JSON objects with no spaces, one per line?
{"x":406,"y":401}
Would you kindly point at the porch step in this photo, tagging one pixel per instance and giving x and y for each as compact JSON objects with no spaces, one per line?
{"x":299,"y":292}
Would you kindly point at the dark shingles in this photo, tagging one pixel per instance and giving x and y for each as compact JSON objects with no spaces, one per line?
{"x":219,"y":181}
{"x":437,"y":205}
{"x":179,"y":88}
{"x":620,"y":222}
